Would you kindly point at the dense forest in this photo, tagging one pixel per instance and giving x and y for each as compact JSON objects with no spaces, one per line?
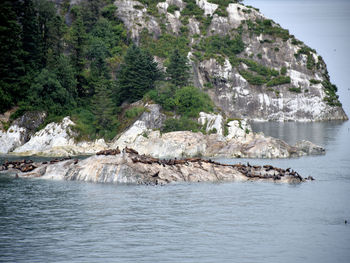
{"x":87,"y":68}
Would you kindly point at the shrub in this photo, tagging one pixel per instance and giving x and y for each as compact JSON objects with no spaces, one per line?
{"x":253,"y":79}
{"x":266,"y":26}
{"x":182,"y":124}
{"x":260,"y":69}
{"x":134,"y":112}
{"x":172,"y":8}
{"x":278,"y":81}
{"x":294,"y":89}
{"x":314,"y":81}
{"x":283,"y":71}
{"x":189,"y":101}
{"x":221,"y":45}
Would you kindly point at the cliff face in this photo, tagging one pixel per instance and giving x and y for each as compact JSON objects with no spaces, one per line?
{"x":270,"y":76}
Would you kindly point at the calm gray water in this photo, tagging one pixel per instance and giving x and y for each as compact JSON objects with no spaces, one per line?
{"x":48,"y":221}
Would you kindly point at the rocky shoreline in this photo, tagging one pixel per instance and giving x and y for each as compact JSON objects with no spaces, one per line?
{"x":129,"y":167}
{"x":230,"y":139}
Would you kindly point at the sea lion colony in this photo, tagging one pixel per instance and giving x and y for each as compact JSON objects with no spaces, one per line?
{"x":252,"y":172}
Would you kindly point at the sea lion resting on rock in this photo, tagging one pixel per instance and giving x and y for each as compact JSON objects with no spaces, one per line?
{"x":128,"y":166}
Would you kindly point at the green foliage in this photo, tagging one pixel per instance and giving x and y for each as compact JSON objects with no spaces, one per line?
{"x":253,"y":78}
{"x":222,"y":5}
{"x":224,"y":46}
{"x":283,"y":71}
{"x":332,"y":97}
{"x":163,"y":95}
{"x":192,"y":9}
{"x":314,"y":81}
{"x":182,"y":124}
{"x":189,"y":101}
{"x":259,"y":69}
{"x":11,"y":68}
{"x":266,"y":26}
{"x":137,"y":74}
{"x":106,"y":123}
{"x":134,"y":112}
{"x":178,"y":69}
{"x":172,"y":8}
{"x":294,"y":89}
{"x":165,"y":44}
{"x":186,"y":101}
{"x":280,"y":80}
{"x":310,"y":62}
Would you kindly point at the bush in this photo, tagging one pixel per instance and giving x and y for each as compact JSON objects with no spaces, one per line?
{"x":283,"y":71}
{"x":260,"y":69}
{"x":189,"y":101}
{"x":163,"y":95}
{"x":314,"y":81}
{"x":253,"y":79}
{"x":294,"y":89}
{"x":134,"y":112}
{"x":221,"y":45}
{"x":278,"y":81}
{"x":172,"y":8}
{"x":182,"y":124}
{"x":266,"y":26}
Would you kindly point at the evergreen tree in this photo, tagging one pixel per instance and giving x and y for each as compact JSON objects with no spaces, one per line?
{"x":77,"y":41}
{"x":31,"y":37}
{"x":48,"y":93}
{"x":178,"y":69}
{"x":11,"y":65}
{"x":137,"y":74}
{"x":103,"y":109}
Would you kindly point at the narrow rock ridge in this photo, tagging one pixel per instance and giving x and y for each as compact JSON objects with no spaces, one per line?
{"x":128,"y":166}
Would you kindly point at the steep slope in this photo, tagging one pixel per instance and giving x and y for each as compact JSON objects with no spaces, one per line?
{"x":248,"y":64}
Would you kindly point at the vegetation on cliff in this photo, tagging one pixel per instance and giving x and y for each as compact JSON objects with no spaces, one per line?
{"x":80,"y":60}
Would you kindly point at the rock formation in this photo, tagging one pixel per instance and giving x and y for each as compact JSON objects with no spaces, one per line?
{"x":299,"y":89}
{"x":131,"y":168}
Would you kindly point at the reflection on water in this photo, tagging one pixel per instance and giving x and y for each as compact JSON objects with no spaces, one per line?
{"x":317,"y":132}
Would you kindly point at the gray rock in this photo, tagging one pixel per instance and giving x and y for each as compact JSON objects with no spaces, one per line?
{"x":132,"y":168}
{"x":152,"y":117}
{"x":310,"y":148}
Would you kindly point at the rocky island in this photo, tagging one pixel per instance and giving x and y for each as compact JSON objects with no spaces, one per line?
{"x":171,"y":79}
{"x":129,"y":167}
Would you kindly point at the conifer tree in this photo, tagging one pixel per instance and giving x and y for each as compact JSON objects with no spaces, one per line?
{"x":77,"y":40}
{"x":137,"y":74}
{"x":11,"y":65}
{"x":103,"y":107}
{"x":178,"y":69}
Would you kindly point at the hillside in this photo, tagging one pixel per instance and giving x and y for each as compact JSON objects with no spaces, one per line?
{"x":91,"y":59}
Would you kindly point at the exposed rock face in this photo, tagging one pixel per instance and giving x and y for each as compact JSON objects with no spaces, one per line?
{"x":300,"y":100}
{"x":213,"y":122}
{"x":20,"y":131}
{"x":136,"y":19}
{"x":233,"y":139}
{"x":130,"y":167}
{"x":57,"y":139}
{"x":240,"y":141}
{"x":12,"y":138}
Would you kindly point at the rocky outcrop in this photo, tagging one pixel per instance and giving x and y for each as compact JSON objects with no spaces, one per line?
{"x":239,"y":141}
{"x":230,"y":138}
{"x":131,"y":168}
{"x":20,"y":130}
{"x":57,"y":139}
{"x":303,"y":97}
